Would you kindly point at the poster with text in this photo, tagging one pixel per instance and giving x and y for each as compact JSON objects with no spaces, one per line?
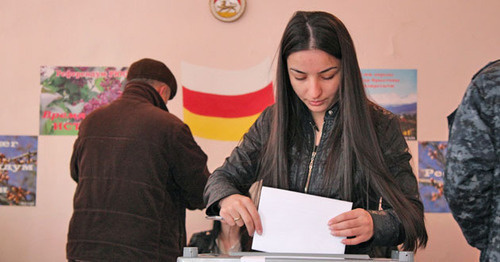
{"x":18,"y":163}
{"x":396,"y":91}
{"x":68,"y":94}
{"x":431,"y":166}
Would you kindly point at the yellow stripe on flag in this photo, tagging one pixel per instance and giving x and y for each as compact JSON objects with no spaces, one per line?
{"x":218,"y":128}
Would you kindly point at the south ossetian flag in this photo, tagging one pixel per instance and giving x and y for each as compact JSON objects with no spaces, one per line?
{"x":223,"y":104}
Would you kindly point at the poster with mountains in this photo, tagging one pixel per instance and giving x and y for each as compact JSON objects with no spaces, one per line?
{"x":396,"y":91}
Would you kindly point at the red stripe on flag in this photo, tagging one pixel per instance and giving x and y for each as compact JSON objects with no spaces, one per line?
{"x":228,"y":106}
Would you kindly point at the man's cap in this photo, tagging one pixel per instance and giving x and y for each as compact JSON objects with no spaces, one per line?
{"x":152,"y":69}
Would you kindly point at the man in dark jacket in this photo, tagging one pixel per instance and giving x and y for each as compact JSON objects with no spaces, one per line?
{"x":137,"y":168}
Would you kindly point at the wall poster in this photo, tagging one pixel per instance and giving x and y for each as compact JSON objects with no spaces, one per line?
{"x":68,"y":94}
{"x":396,"y":91}
{"x":431,"y":166}
{"x":18,"y":166}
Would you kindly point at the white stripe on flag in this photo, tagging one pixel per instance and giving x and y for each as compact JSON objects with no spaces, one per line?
{"x":226,"y":82}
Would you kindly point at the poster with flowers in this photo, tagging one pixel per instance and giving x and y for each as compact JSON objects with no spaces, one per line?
{"x":18,"y":165}
{"x":396,"y":91}
{"x":68,"y":94}
{"x":431,"y":166}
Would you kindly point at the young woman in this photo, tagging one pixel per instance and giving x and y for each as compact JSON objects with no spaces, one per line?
{"x":324,"y":137}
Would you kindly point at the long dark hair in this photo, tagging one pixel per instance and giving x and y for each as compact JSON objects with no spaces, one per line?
{"x":355,"y":144}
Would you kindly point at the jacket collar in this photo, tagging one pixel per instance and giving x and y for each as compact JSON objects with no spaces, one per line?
{"x":143,"y":91}
{"x":330,"y":114}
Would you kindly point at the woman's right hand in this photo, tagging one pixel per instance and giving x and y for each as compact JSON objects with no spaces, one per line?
{"x":240,"y":210}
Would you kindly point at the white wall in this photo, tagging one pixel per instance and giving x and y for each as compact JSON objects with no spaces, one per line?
{"x":446,"y":41}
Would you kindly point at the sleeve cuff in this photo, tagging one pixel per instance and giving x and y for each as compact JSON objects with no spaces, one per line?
{"x":386,"y":228}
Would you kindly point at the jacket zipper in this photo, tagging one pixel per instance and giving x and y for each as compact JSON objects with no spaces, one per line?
{"x":306,"y":188}
{"x":313,"y":155}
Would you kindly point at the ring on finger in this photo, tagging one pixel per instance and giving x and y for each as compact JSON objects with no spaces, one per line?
{"x":236,"y":219}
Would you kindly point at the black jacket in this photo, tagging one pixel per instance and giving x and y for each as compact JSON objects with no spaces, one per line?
{"x":138,"y":168}
{"x":240,"y":170}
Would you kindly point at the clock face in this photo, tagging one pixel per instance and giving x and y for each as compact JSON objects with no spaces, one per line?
{"x":227,"y":10}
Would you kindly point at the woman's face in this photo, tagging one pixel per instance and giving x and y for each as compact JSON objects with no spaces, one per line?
{"x":315,"y":77}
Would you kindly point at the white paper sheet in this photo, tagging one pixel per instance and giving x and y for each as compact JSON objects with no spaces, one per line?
{"x":298,"y":223}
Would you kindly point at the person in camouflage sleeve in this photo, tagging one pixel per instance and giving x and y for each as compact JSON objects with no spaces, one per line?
{"x":473,"y":163}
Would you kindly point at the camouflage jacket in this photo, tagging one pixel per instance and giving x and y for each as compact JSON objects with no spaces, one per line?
{"x":473,"y":163}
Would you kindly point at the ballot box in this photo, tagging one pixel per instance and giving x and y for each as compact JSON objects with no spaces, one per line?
{"x":191,"y":255}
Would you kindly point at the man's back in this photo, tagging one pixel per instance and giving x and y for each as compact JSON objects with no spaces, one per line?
{"x":138,"y":169}
{"x":472,"y":164}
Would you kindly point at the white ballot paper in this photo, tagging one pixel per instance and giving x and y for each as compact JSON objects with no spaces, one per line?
{"x":298,"y":223}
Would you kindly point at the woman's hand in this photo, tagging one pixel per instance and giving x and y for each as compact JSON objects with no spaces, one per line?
{"x":240,"y":210}
{"x":357,"y":223}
